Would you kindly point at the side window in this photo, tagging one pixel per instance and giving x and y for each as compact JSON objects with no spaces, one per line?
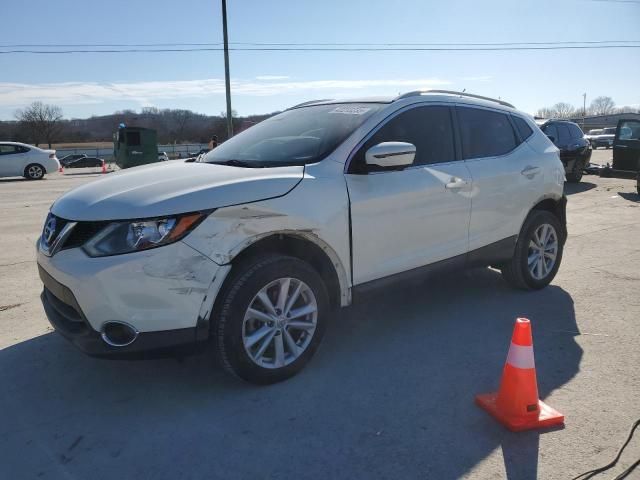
{"x":576,"y":133}
{"x":564,"y":137}
{"x":522,"y":126}
{"x":485,"y":133}
{"x":7,"y":149}
{"x":23,"y":149}
{"x":429,"y":128}
{"x":630,"y":130}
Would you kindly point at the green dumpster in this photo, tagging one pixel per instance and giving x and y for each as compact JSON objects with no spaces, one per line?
{"x":133,"y":146}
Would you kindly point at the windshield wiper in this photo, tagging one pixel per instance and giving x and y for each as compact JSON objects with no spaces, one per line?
{"x":238,"y":163}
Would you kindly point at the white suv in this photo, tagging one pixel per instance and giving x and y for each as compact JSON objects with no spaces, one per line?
{"x":253,"y":246}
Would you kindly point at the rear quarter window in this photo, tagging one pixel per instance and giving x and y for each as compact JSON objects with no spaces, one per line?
{"x":522,"y":126}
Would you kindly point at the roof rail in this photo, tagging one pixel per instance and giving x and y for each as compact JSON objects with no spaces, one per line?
{"x":451,"y":92}
{"x":310,"y":102}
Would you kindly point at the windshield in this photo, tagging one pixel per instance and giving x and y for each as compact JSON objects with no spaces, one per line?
{"x":295,"y":137}
{"x":610,"y":131}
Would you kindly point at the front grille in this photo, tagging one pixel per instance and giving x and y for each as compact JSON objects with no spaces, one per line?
{"x":82,"y":232}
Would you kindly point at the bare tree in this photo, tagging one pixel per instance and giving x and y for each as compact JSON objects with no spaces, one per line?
{"x":180,"y":120}
{"x":602,"y":106}
{"x":625,"y":109}
{"x":41,"y":122}
{"x":545,"y":113}
{"x":563,"y":110}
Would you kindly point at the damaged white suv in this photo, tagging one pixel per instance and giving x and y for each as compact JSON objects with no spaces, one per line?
{"x":251,"y":248}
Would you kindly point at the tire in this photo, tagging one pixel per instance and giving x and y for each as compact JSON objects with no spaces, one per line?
{"x":517,"y":272}
{"x":576,"y":175}
{"x":232,"y":325}
{"x":34,"y":171}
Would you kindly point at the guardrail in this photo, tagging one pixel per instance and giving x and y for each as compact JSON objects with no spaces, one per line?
{"x":174,"y":151}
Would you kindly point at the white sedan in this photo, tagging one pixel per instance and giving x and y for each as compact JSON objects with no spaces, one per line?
{"x":22,"y":160}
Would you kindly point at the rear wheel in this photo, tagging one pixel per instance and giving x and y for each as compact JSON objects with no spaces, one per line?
{"x":270,"y":319}
{"x":34,"y":172}
{"x":538,"y":252}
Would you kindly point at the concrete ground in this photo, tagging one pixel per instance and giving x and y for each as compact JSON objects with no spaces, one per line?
{"x":389,"y":395}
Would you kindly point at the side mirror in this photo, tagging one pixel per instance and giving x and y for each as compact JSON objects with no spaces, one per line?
{"x":552,"y":138}
{"x":391,"y":154}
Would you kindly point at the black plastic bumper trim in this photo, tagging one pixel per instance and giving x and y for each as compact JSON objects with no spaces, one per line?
{"x":66,"y":317}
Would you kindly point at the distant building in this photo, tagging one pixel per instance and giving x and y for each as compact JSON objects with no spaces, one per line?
{"x":601,"y":121}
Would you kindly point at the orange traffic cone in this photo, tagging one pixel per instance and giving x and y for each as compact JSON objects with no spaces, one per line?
{"x":516,"y":404}
{"x":104,"y":167}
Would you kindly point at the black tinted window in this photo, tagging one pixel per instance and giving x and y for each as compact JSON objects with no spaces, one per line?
{"x":575,"y":131}
{"x":428,"y":128}
{"x":523,"y":127}
{"x":564,"y":136}
{"x":485,"y":133}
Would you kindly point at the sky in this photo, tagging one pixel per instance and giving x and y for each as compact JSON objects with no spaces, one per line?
{"x":262,"y":81}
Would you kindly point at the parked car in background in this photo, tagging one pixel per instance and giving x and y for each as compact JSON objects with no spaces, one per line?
{"x":202,"y":151}
{"x":22,"y":160}
{"x":575,"y":149}
{"x":69,"y":158}
{"x":253,"y":247}
{"x":82,"y":162}
{"x":163,"y":157}
{"x":604,"y":139}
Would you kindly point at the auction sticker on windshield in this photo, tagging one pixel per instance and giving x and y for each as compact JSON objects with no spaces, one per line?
{"x":350,"y":110}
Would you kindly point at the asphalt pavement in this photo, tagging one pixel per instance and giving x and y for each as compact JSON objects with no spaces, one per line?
{"x":389,"y":394}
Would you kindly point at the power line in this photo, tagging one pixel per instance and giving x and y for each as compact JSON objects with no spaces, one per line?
{"x":323,"y":49}
{"x":319,"y":44}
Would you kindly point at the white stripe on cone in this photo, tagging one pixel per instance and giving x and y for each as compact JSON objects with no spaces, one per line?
{"x":520,"y":356}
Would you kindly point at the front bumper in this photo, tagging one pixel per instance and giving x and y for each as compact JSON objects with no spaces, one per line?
{"x":158,"y":292}
{"x":65,"y":315}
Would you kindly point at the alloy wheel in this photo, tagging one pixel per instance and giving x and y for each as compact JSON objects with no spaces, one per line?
{"x":35,"y":172}
{"x":543,"y":251}
{"x":279,"y":323}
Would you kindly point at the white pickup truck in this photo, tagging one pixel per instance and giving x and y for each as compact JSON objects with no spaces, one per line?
{"x":601,"y":137}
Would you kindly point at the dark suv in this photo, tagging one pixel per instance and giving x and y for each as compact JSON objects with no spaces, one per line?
{"x":575,"y":150}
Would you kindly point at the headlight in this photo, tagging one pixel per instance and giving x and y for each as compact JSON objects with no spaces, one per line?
{"x":133,"y":236}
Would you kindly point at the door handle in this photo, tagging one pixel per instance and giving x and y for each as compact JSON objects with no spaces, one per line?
{"x":455,"y":184}
{"x":530,"y":171}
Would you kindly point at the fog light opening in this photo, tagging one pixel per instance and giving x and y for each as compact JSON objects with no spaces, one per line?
{"x":118,"y":334}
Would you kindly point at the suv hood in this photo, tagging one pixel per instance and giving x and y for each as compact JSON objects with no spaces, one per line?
{"x":171,"y":188}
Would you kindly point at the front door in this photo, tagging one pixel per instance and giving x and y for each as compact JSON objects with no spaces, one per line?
{"x":626,"y":146}
{"x":404,"y":219}
{"x":10,"y":161}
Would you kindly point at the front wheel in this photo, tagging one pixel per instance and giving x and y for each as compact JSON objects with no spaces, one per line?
{"x":270,"y":318}
{"x":576,"y":172}
{"x":538,"y":252}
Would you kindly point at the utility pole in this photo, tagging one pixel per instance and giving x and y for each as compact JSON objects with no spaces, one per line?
{"x":226,"y":69}
{"x":584,"y":108}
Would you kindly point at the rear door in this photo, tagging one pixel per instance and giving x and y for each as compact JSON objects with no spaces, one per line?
{"x":626,"y":146}
{"x":507,"y":179}
{"x":404,"y":219}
